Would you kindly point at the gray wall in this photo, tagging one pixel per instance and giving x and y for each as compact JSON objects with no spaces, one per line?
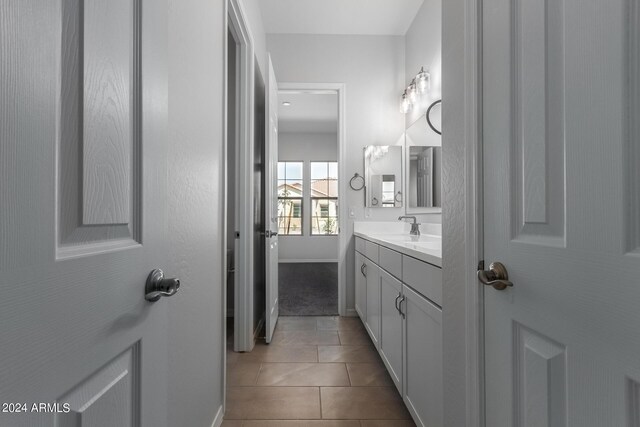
{"x":195,"y":176}
{"x":307,"y":147}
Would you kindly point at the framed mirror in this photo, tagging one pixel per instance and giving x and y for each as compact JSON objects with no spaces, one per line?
{"x":383,"y":176}
{"x":423,"y":166}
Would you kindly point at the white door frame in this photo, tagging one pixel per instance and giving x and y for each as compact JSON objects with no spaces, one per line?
{"x":343,"y":242}
{"x":462,"y":38}
{"x":243,"y":257}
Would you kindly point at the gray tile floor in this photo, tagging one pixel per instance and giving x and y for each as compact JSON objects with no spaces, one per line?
{"x":317,"y":372}
{"x":308,"y":289}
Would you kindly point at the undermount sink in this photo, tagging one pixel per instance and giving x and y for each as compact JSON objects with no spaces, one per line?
{"x":425,"y":245}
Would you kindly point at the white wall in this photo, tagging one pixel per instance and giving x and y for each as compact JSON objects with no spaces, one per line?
{"x":424,"y":49}
{"x":372,"y":69}
{"x":196,"y":70}
{"x":307,"y":147}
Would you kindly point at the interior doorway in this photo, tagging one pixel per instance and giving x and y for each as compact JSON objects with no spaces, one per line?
{"x":240,"y":231}
{"x":308,"y":202}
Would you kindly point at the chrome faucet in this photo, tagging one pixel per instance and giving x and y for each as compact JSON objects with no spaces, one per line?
{"x":415,"y":230}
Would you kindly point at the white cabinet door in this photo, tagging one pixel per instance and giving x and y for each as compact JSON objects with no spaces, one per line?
{"x":422,"y":359}
{"x":372,"y":323}
{"x":361,"y":286}
{"x":391,"y":326}
{"x":84,"y":213}
{"x":561,"y":143}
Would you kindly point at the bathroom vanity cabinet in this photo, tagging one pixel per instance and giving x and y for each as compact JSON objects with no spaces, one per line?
{"x":399,"y":299}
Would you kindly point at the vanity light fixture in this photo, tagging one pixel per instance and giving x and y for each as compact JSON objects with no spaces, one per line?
{"x":412,"y":92}
{"x":286,"y":103}
{"x":423,"y":81}
{"x":405,"y":104}
{"x":419,"y":86}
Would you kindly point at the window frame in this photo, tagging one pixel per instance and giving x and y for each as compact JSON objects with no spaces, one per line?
{"x":300,"y":198}
{"x":329,"y":199}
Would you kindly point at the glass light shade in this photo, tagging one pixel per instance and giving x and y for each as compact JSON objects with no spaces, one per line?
{"x":412,"y":92}
{"x":405,"y":104}
{"x":423,"y":81}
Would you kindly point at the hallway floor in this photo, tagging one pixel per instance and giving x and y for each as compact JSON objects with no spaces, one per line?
{"x":317,"y":372}
{"x":308,"y":288}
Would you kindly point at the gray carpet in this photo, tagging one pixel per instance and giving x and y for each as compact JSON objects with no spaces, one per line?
{"x":308,"y":289}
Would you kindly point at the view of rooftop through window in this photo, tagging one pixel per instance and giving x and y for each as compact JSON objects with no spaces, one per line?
{"x":324,"y":198}
{"x":290,"y":198}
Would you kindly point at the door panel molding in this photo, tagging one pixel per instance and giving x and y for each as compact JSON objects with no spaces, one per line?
{"x":98,"y":192}
{"x":540,"y":368}
{"x":109,"y":396}
{"x":633,"y":403}
{"x":538,"y":134}
{"x":633,"y":128}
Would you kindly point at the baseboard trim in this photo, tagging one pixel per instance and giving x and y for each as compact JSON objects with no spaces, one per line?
{"x":217,"y":421}
{"x":289,"y":261}
{"x":258,"y":328}
{"x":351,"y":312}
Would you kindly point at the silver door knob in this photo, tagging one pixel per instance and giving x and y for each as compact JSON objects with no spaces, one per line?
{"x":496,"y":276}
{"x":158,"y":286}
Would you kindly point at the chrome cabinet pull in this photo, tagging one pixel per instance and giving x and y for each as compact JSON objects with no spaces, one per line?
{"x":397,"y":298}
{"x":496,"y":276}
{"x":400,"y":306}
{"x":363,"y":269}
{"x":158,"y":286}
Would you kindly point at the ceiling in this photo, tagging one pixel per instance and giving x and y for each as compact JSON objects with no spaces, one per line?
{"x":308,"y":113}
{"x":365,"y":17}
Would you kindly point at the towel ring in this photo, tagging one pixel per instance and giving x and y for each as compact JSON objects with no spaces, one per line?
{"x":439,"y":101}
{"x":398,"y":197}
{"x":357,"y":186}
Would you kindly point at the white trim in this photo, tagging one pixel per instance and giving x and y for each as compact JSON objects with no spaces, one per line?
{"x":243,"y":304}
{"x":343,"y":239}
{"x":223,"y":180}
{"x":351,"y":312}
{"x":474,"y":231}
{"x":258,"y":328}
{"x":291,"y":261}
{"x":217,"y":421}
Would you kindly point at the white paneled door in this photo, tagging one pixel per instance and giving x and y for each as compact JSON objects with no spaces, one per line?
{"x":83,"y":169}
{"x":561,"y":212}
{"x":271,"y":202}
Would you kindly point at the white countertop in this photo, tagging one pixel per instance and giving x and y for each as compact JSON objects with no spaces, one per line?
{"x":426,"y":247}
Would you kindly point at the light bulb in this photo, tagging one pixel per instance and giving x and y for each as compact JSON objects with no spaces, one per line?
{"x":405,"y":104}
{"x":422,"y":81}
{"x":412,"y":92}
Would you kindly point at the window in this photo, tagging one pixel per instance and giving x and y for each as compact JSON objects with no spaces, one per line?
{"x":290,"y":193}
{"x":324,"y":198}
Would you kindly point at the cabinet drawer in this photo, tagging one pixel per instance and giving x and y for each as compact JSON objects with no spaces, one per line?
{"x":360,"y":244}
{"x":371,"y":251}
{"x":425,"y":278}
{"x":391,"y":261}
